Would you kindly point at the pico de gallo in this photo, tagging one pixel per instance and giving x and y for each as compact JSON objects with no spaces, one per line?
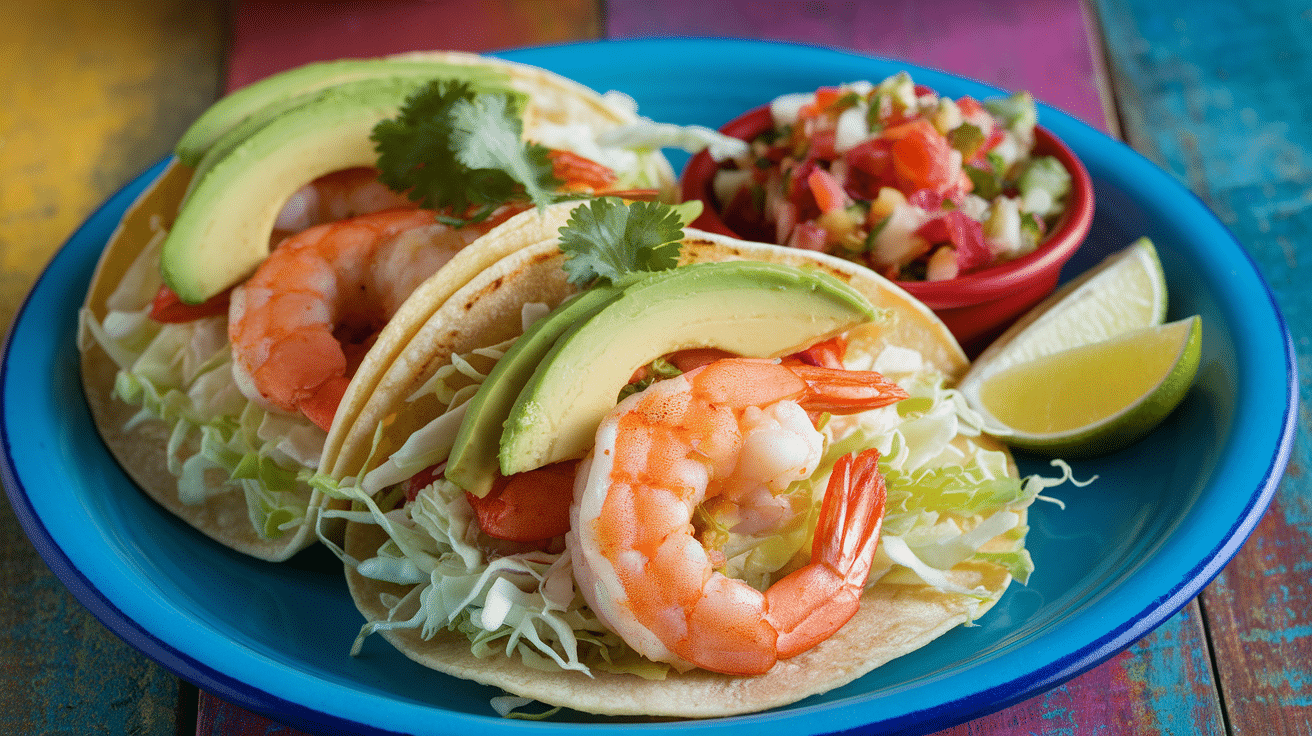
{"x":912,"y":184}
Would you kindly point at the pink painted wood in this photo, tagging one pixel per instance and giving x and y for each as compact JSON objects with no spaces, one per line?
{"x":272,"y":36}
{"x":1039,"y":45}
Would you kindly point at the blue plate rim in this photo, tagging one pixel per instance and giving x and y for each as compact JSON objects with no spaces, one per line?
{"x":970,"y":706}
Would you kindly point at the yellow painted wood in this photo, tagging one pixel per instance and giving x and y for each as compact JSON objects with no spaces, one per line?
{"x":93,"y":94}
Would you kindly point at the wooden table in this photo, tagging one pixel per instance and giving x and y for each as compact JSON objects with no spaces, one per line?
{"x":1213,"y":92}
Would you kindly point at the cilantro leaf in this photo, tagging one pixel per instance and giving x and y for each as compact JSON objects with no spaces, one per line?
{"x":489,"y":138}
{"x":609,"y":240}
{"x":414,"y":147}
{"x":452,"y":148}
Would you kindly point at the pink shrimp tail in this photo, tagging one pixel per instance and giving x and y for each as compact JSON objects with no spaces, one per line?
{"x":742,"y":382}
{"x":809,"y":605}
{"x":839,"y":391}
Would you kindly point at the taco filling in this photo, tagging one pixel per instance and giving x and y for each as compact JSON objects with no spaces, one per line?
{"x":605,"y":577}
{"x":220,"y":356}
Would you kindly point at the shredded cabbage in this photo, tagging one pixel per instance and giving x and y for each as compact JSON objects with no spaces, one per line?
{"x":181,"y":375}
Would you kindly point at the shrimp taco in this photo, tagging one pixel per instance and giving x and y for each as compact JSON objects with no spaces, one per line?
{"x":220,"y":369}
{"x":662,"y":472}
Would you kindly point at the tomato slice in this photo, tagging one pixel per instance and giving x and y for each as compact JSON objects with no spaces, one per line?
{"x":528,"y":507}
{"x":825,"y":354}
{"x":167,"y":306}
{"x":421,"y":480}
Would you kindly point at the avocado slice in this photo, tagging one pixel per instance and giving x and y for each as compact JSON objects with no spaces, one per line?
{"x":222,"y":229}
{"x":271,"y":95}
{"x":472,"y":464}
{"x":243,"y":129}
{"x":750,"y":308}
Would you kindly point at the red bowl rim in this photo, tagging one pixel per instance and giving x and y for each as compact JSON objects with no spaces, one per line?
{"x":972,"y":288}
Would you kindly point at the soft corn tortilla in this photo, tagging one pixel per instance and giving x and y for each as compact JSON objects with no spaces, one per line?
{"x":893,"y":619}
{"x":141,"y":450}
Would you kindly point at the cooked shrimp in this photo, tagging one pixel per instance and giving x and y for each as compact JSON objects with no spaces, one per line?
{"x":357,"y":191}
{"x":735,"y":432}
{"x":301,"y":323}
{"x":337,"y":196}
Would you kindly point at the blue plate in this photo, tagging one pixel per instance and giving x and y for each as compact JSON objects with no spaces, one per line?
{"x":1124,"y":555}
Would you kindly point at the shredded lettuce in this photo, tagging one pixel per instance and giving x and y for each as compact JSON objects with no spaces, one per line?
{"x":181,"y":375}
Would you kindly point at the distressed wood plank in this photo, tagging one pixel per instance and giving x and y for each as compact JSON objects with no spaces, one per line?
{"x":1040,"y":46}
{"x":92,"y":99}
{"x":1160,"y":686}
{"x":269,"y":36}
{"x":1216,"y":93}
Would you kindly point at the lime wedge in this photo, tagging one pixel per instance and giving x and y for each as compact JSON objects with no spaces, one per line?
{"x":1093,"y":398}
{"x":1124,"y":292}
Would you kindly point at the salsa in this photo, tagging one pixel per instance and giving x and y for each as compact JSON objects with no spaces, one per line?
{"x":912,"y":184}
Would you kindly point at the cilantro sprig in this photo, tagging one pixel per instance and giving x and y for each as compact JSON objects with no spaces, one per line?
{"x":608,"y":240}
{"x":454,"y":149}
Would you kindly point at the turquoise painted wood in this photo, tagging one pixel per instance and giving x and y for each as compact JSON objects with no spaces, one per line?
{"x":1217,"y":93}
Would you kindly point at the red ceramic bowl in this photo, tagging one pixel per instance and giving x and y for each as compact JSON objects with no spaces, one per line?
{"x":979,"y":305}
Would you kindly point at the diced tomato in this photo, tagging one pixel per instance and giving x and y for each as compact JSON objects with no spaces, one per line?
{"x":527,"y":507}
{"x":922,"y":158}
{"x":809,"y":236}
{"x":799,"y":191}
{"x":167,"y":306}
{"x":904,"y":129}
{"x":873,"y":156}
{"x":869,"y":168}
{"x":828,"y":193}
{"x":922,"y":90}
{"x":822,"y":145}
{"x":969,"y":106}
{"x":825,"y":97}
{"x":928,"y":200}
{"x":742,"y":216}
{"x":965,"y":234}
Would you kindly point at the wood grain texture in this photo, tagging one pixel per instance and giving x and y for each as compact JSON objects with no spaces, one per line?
{"x":1039,"y":45}
{"x":1216,"y":93}
{"x":92,"y":99}
{"x":270,"y":36}
{"x":1161,"y":686}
